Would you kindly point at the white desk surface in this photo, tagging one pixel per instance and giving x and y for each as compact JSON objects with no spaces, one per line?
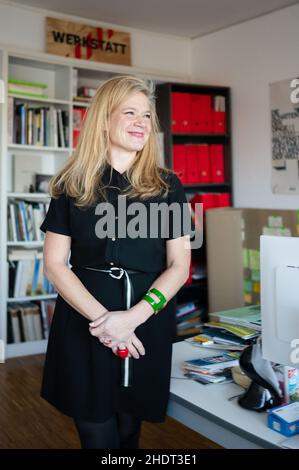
{"x":209,"y":408}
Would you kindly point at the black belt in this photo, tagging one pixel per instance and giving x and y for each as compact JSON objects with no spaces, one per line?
{"x":117,"y":273}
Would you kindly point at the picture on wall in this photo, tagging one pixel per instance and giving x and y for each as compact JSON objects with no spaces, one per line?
{"x":284,"y":102}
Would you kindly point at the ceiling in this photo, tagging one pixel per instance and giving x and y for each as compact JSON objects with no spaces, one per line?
{"x":186,"y":18}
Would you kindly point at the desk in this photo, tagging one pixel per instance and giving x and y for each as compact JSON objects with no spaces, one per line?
{"x":206,"y":409}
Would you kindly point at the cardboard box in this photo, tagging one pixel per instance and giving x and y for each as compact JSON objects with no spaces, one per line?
{"x":285,"y":419}
{"x":233,"y":252}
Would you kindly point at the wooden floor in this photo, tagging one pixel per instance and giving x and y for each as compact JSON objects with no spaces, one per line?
{"x":29,"y":422}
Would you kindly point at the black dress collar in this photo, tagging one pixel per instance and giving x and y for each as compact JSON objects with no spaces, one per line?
{"x":114,"y":177}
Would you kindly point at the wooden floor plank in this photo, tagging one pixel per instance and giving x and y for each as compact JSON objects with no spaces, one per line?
{"x":29,"y":422}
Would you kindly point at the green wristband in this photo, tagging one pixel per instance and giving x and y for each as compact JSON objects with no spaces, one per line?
{"x":152,"y":302}
{"x":159,"y":295}
{"x":157,"y":306}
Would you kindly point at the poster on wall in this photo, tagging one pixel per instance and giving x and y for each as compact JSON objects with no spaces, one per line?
{"x":284,"y":101}
{"x":87,"y":42}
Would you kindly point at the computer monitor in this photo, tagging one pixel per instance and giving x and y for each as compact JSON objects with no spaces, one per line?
{"x":280,"y":299}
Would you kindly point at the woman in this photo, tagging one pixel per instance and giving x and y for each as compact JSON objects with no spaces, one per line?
{"x":114,"y":163}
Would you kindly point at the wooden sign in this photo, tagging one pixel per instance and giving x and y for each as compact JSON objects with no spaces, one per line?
{"x":88,"y":42}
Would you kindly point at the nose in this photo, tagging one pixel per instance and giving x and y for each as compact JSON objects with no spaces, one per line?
{"x":140,"y":120}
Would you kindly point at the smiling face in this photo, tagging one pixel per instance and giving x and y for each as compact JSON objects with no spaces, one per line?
{"x":130,"y":124}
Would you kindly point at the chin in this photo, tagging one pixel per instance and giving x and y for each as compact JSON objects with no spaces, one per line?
{"x":135,"y":148}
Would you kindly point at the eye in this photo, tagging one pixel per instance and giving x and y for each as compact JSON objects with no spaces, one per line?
{"x":130,"y":112}
{"x":148,"y":116}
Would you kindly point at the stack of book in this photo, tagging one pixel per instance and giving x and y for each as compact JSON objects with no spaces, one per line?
{"x":249,"y":317}
{"x":188,"y":319}
{"x":215,"y":369}
{"x":26,"y":88}
{"x":231,"y":329}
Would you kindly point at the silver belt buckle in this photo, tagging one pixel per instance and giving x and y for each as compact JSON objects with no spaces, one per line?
{"x":114,"y":275}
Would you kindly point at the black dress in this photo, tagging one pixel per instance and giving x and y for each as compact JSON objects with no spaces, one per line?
{"x":81,"y":376}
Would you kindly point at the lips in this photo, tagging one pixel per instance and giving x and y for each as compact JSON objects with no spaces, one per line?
{"x":137,"y":134}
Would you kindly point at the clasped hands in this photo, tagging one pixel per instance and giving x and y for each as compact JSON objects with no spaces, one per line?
{"x":116,"y":330}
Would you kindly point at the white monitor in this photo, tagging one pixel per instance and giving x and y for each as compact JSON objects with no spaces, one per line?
{"x":280,"y":299}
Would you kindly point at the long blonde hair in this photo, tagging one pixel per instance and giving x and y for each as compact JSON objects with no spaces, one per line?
{"x":81,"y":176}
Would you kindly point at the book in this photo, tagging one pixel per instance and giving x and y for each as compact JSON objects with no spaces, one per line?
{"x":213,"y":363}
{"x":200,"y":340}
{"x":215,"y":346}
{"x":25,"y":93}
{"x":224,"y":337}
{"x":240,"y":331}
{"x":208,"y":378}
{"x":26,"y":88}
{"x":189,"y":323}
{"x":189,"y":331}
{"x":218,"y":339}
{"x":189,"y":316}
{"x":82,"y":98}
{"x":183,"y":309}
{"x":249,"y":316}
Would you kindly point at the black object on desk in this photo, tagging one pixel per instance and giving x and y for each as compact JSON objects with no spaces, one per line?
{"x":263,"y":393}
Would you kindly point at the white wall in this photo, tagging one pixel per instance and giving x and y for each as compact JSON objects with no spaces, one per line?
{"x":247,"y":57}
{"x":25,"y":27}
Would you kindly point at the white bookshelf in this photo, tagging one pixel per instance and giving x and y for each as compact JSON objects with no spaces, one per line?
{"x":27,"y":244}
{"x":39,"y":100}
{"x":29,"y":196}
{"x":32,"y":297}
{"x":38,"y":147}
{"x":25,"y":349}
{"x":58,"y":73}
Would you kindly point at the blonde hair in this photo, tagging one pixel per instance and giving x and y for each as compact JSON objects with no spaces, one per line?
{"x":81,"y":176}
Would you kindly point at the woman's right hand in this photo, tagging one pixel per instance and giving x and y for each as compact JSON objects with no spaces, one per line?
{"x":134,"y":345}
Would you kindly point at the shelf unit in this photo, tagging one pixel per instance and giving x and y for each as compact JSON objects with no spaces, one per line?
{"x":58,"y":73}
{"x":198,"y":290}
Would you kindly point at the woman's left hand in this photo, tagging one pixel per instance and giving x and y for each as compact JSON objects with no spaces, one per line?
{"x":118,"y":326}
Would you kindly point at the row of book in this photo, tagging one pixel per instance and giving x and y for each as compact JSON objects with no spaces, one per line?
{"x":198,"y":113}
{"x":31,"y":124}
{"x":199,"y":163}
{"x":25,"y":274}
{"x":210,"y":200}
{"x":24,"y":220}
{"x":29,"y":321}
